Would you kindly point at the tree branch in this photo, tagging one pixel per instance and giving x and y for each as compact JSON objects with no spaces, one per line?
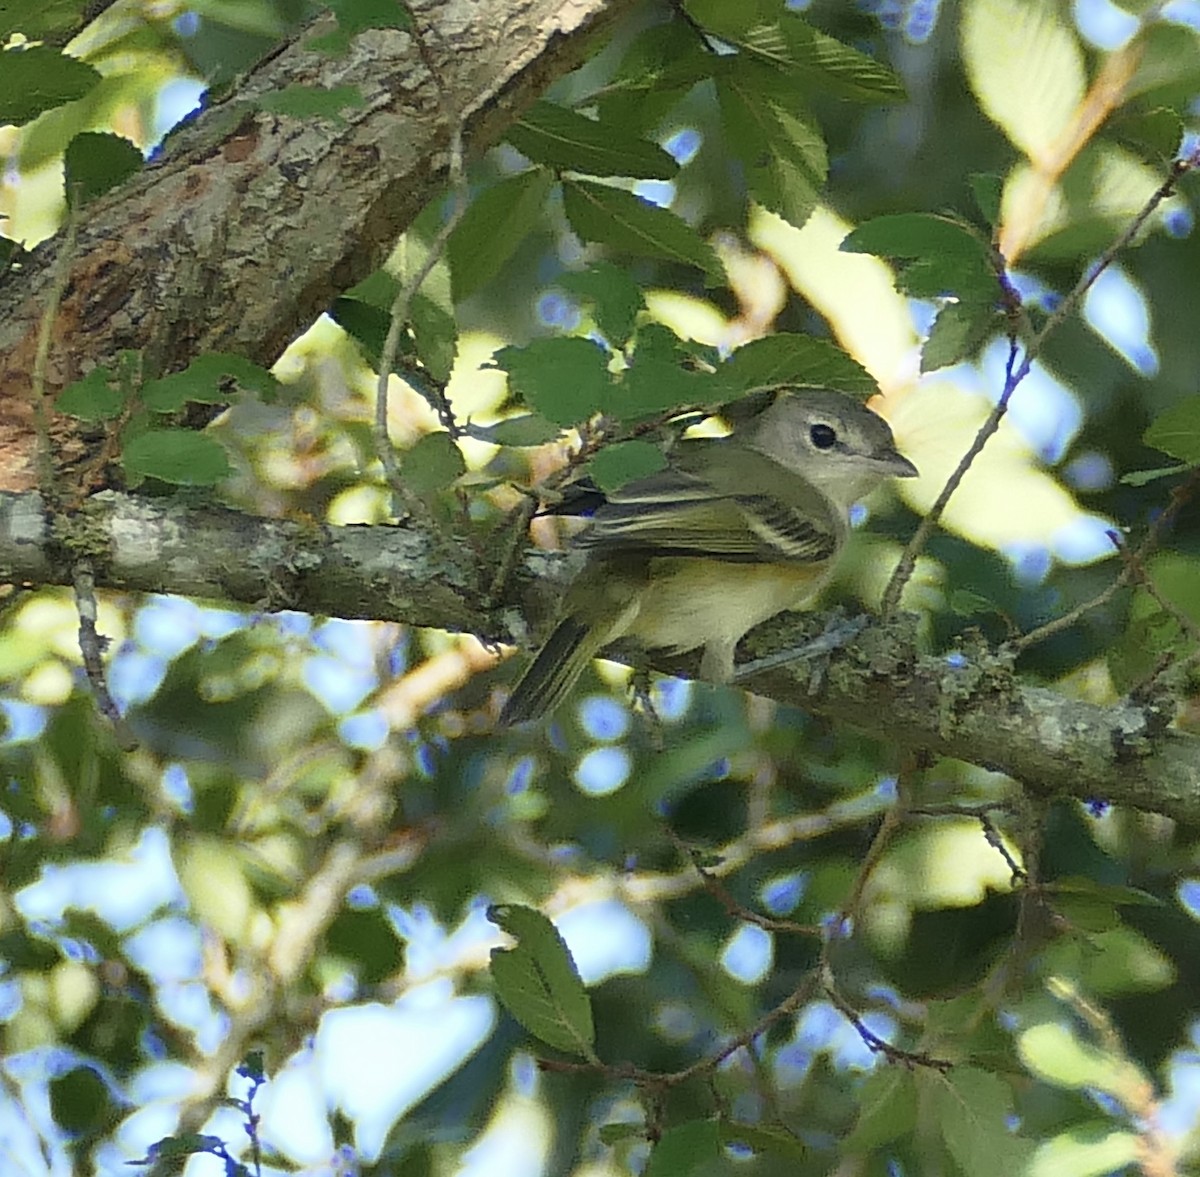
{"x":972,"y":707}
{"x":255,"y":220}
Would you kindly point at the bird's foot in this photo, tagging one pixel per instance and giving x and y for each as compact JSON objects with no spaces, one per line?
{"x":839,"y":632}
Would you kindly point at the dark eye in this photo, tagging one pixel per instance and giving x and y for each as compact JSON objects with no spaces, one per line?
{"x":823,"y":436}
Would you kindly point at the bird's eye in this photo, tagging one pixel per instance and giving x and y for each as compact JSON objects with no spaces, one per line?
{"x":823,"y":436}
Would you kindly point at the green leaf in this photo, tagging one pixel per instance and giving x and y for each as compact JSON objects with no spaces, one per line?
{"x":840,"y":71}
{"x":784,"y":41}
{"x":1056,"y":1054}
{"x":887,"y":1109}
{"x":312,"y":102}
{"x":210,"y":379}
{"x":91,"y":399}
{"x":958,"y":332}
{"x":528,"y":429}
{"x":934,"y":255}
{"x":987,"y":188}
{"x":971,"y":1108}
{"x":653,"y":386}
{"x":565,"y":380}
{"x":1026,"y":67}
{"x":615,"y":465}
{"x":94,"y":162}
{"x":432,"y":464}
{"x":80,"y":1101}
{"x":366,"y":939}
{"x":685,"y":1149}
{"x":564,"y":139}
{"x":1155,"y":135}
{"x":629,"y":224}
{"x":36,"y":79}
{"x":1177,"y":431}
{"x":1142,"y":477}
{"x":774,"y":1142}
{"x":795,"y":360}
{"x":1087,"y":1150}
{"x":1107,"y":892}
{"x":784,"y":155}
{"x":494,"y":225}
{"x":615,"y":298}
{"x":538,"y":983}
{"x":179,"y":456}
{"x":616,"y":1131}
{"x":354,"y":16}
{"x":435,"y":335}
{"x":186,"y":1145}
{"x":38,"y":21}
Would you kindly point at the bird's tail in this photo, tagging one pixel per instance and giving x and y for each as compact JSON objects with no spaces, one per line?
{"x":553,"y":672}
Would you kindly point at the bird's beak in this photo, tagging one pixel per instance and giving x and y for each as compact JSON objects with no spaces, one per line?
{"x":896,"y":465}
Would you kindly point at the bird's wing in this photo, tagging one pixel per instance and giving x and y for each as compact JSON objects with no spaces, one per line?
{"x":728,"y":505}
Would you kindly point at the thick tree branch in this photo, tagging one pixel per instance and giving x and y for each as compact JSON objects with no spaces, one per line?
{"x":255,"y":221}
{"x":971,"y":708}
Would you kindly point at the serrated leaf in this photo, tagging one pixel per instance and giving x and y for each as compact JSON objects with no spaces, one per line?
{"x":38,"y":78}
{"x":684,"y":1149}
{"x":529,"y":429}
{"x":887,"y":1109}
{"x":653,"y":385}
{"x":432,"y":464}
{"x":797,"y":360}
{"x":1177,"y":431}
{"x":784,"y":155}
{"x":1026,"y":67}
{"x":178,"y":456}
{"x":615,"y":465}
{"x":842,"y":71}
{"x":91,"y":399}
{"x":208,"y":380}
{"x":629,"y":224}
{"x":934,"y":255}
{"x":564,"y":139}
{"x":972,"y":1107}
{"x":615,"y":298}
{"x":958,"y":331}
{"x":1154,"y":134}
{"x":299,"y":101}
{"x":494,"y":225}
{"x":565,"y":380}
{"x":96,"y":161}
{"x":538,"y":983}
{"x":38,"y":21}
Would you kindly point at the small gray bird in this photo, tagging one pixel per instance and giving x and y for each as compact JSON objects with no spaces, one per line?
{"x":731,"y":532}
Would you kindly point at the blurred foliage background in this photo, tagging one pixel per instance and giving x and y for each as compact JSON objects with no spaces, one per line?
{"x":277,"y":905}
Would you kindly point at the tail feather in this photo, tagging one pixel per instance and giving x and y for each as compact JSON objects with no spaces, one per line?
{"x":552,"y":674}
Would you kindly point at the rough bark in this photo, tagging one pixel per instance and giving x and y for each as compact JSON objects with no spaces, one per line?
{"x":973,"y":709}
{"x":255,"y":221}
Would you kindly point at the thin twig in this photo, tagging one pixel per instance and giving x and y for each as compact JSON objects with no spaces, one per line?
{"x":92,"y":645}
{"x":1179,"y":497}
{"x":399,"y":320}
{"x":1016,"y":373}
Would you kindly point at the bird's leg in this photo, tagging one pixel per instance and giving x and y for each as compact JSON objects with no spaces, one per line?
{"x":837,"y":633}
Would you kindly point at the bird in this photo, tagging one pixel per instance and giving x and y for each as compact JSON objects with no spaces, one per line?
{"x":731,"y":532}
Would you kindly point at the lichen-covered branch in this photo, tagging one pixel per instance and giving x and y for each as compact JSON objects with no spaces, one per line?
{"x":972,"y":707}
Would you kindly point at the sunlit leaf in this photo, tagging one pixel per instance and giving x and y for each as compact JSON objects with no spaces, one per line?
{"x":1025,"y":65}
{"x":91,"y":399}
{"x":38,"y":78}
{"x":179,"y":456}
